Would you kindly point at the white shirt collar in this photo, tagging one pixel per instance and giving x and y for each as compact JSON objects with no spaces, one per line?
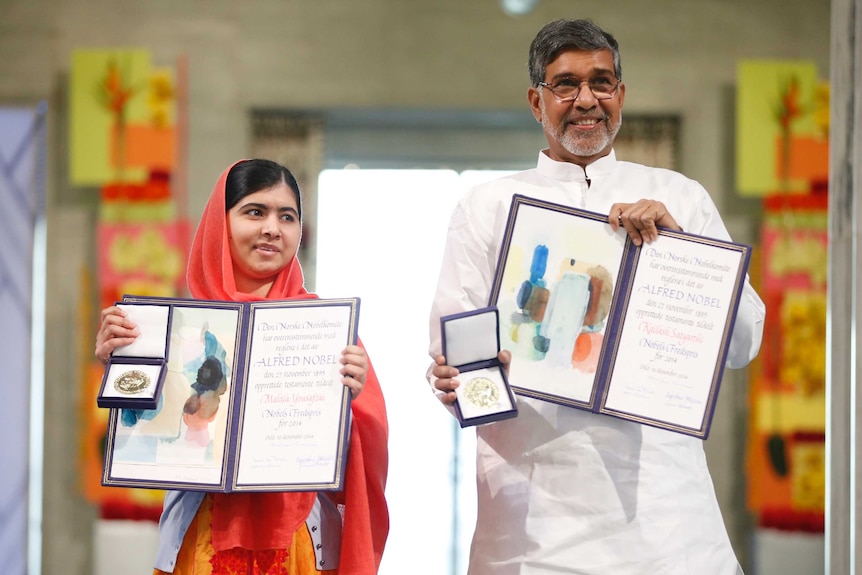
{"x":566,"y":171}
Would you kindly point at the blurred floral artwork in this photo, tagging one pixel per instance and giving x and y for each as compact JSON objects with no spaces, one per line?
{"x":782,"y":156}
{"x":147,"y":256}
{"x":113,"y":93}
{"x":808,"y":491}
{"x":803,"y":350}
{"x":160,"y":99}
{"x":782,"y":142}
{"x":123,"y":141}
{"x":106,"y":95}
{"x":786,"y":110}
{"x":786,"y":451}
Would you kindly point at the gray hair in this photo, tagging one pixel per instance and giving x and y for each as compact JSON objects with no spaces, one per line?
{"x":561,"y":35}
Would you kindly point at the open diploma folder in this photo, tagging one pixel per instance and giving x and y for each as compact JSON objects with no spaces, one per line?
{"x":252,"y":399}
{"x":596,"y":323}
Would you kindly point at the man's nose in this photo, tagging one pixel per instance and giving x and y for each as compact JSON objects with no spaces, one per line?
{"x":585,"y":98}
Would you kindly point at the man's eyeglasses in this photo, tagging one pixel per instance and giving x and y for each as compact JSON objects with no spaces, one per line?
{"x":568,"y":89}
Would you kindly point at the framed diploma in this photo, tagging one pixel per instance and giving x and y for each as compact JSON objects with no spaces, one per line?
{"x":596,"y":323}
{"x":251,"y":399}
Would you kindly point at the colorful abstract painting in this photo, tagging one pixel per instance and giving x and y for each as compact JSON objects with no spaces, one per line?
{"x":782,"y":112}
{"x":121,"y":117}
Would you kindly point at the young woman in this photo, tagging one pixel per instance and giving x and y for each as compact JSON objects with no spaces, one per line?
{"x":245,"y":250}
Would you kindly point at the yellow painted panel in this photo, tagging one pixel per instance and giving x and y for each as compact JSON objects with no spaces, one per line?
{"x":108,"y":89}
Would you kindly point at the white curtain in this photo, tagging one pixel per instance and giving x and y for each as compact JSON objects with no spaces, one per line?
{"x":22,"y":152}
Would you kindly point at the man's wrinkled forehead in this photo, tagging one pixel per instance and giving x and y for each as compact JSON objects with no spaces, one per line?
{"x":560,"y":66}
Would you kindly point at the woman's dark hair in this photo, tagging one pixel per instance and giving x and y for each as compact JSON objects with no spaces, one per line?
{"x":562,"y":35}
{"x":250,"y":176}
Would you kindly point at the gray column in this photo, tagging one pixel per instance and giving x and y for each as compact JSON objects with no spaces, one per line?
{"x":22,"y":169}
{"x":843,"y":425}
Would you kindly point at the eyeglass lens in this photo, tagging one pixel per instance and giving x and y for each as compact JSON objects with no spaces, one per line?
{"x":569,"y":88}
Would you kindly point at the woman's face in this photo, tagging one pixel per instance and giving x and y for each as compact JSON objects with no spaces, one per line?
{"x":264,"y":231}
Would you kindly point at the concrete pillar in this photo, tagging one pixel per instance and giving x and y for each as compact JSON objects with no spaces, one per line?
{"x":844,"y":312}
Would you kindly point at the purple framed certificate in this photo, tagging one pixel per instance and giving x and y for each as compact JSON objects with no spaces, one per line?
{"x":596,"y":323}
{"x":252,"y":400}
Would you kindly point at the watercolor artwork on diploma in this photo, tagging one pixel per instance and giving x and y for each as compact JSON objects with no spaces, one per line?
{"x":188,"y":427}
{"x":554,"y":291}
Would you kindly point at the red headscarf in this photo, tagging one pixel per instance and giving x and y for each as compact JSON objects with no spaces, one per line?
{"x":268,"y":520}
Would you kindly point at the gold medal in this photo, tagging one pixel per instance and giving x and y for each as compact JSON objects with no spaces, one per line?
{"x":132,"y":381}
{"x":481,"y":392}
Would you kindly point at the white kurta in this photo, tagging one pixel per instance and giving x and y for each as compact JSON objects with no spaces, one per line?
{"x":562,"y":490}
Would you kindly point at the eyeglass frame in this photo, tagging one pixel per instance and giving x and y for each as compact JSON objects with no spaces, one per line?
{"x":580,"y":87}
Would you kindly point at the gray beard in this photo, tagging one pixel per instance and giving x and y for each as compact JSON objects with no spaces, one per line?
{"x":586,"y":146}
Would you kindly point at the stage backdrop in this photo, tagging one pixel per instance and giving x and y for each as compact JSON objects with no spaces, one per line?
{"x":22,"y":152}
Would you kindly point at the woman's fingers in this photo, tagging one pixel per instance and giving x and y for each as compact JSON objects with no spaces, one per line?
{"x":354,"y":368}
{"x":116,"y":330}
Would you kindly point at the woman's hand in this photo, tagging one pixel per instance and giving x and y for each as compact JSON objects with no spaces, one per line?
{"x":355,"y":368}
{"x":641,"y":220}
{"x":116,"y":331}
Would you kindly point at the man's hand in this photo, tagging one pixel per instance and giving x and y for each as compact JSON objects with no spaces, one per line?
{"x":446,"y":375}
{"x":641,"y":220}
{"x":445,"y":379}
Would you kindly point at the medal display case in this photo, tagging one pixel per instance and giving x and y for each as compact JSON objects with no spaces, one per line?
{"x":136,"y":372}
{"x":471,"y":341}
